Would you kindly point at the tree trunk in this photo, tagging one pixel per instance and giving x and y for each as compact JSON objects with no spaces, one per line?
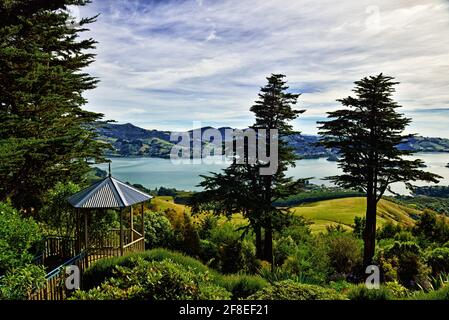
{"x":370,"y":230}
{"x":268,"y":245}
{"x":259,"y":247}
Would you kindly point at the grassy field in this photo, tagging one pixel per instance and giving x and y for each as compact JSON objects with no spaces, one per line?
{"x":343,"y":211}
{"x":322,"y":213}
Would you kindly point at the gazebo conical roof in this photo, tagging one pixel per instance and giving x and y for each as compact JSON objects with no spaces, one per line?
{"x":108,"y":193}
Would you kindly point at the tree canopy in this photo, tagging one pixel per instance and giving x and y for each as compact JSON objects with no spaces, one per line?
{"x":44,"y":136}
{"x":366,"y":132}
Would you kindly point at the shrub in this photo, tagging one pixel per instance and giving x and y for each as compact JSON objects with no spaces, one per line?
{"x":388,"y":231}
{"x":158,"y":230}
{"x":233,"y":254}
{"x":18,"y":283}
{"x":208,"y":223}
{"x":359,"y":227}
{"x":17,"y":237}
{"x":404,"y":236}
{"x":104,"y":269}
{"x":397,"y":290}
{"x":283,"y":248}
{"x":290,"y":290}
{"x":438,"y":260}
{"x":241,"y":286}
{"x":208,"y":253}
{"x":340,"y":285}
{"x":310,"y":261}
{"x":361,"y":292}
{"x":156,"y":280}
{"x":345,"y":254}
{"x":432,"y":228}
{"x":405,"y":258}
{"x":441,"y":294}
{"x":187,"y":236}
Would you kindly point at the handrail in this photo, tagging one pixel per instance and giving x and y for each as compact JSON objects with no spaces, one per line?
{"x":134,"y":242}
{"x":57,"y":270}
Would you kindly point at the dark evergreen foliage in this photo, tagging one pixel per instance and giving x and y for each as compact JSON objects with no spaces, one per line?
{"x":366,"y":132}
{"x":43,"y":134}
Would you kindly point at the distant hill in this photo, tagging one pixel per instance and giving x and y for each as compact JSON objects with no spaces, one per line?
{"x":129,"y":140}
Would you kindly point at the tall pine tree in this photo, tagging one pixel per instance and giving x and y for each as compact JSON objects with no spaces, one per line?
{"x":366,"y":133}
{"x":44,"y":137}
{"x":242,"y":188}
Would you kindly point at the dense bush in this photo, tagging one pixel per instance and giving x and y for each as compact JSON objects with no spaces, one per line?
{"x":156,"y":280}
{"x":359,"y":227}
{"x":403,"y":261}
{"x":438,"y":260}
{"x":361,"y":292}
{"x":309,"y":261}
{"x":241,"y":286}
{"x":225,"y":251}
{"x":158,"y":230}
{"x":18,"y":235}
{"x":388,"y":231}
{"x":345,"y":255}
{"x":432,"y":228}
{"x":104,"y":269}
{"x":19,"y":283}
{"x":290,"y":290}
{"x":397,"y":290}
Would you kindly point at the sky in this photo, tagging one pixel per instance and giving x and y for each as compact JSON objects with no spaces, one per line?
{"x":170,"y":65}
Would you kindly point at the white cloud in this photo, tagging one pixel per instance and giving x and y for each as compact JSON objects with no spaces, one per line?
{"x":180,"y":61}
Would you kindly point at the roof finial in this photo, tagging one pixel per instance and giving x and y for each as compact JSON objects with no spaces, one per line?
{"x":109,"y":168}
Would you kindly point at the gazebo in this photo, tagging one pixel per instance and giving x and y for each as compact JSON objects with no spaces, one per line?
{"x":110,"y":193}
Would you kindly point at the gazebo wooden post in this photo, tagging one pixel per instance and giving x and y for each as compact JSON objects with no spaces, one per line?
{"x":121,"y":231}
{"x":86,"y":240}
{"x":143,"y":223}
{"x":131,"y":223}
{"x":78,"y":231}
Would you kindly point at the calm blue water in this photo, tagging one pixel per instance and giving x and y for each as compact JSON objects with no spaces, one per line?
{"x":154,"y":172}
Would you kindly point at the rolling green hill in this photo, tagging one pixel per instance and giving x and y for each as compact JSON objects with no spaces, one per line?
{"x":343,"y":211}
{"x":325,"y":213}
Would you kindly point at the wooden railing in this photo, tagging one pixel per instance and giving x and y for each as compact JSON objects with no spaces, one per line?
{"x":135,"y":246}
{"x":109,"y":246}
{"x":55,"y":288}
{"x":60,"y":247}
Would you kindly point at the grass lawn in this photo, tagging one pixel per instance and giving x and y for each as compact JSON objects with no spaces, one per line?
{"x":343,"y":211}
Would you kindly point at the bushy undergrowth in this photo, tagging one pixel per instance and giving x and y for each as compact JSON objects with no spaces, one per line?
{"x":440,"y":294}
{"x":104,"y":269}
{"x":290,"y":290}
{"x":241,"y":286}
{"x":361,"y":292}
{"x":156,"y":280}
{"x":19,"y":283}
{"x":238,"y":285}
